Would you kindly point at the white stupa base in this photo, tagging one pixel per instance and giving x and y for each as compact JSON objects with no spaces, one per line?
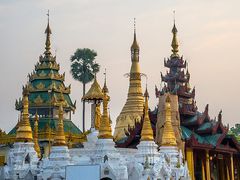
{"x":54,"y":166}
{"x":112,"y":165}
{"x":22,"y":161}
{"x":147,"y":149}
{"x":171,"y":153}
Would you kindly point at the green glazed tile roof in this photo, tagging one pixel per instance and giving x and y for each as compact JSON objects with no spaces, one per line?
{"x":205,"y":126}
{"x":187,"y":133}
{"x":211,"y":139}
{"x":193,"y":118}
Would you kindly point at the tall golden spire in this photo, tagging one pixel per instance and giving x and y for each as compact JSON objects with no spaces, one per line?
{"x":24,"y":131}
{"x":35,"y":135}
{"x":133,"y":109}
{"x":168,"y":137}
{"x":105,"y":130}
{"x":147,"y":132}
{"x":60,"y":139}
{"x":48,"y":32}
{"x":174,"y":40}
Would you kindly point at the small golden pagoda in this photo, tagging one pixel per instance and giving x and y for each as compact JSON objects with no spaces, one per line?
{"x":24,"y":131}
{"x":168,"y":137}
{"x":133,"y":109}
{"x":35,"y":136}
{"x":147,"y":132}
{"x":60,"y":139}
{"x":105,"y":130}
{"x":94,"y":95}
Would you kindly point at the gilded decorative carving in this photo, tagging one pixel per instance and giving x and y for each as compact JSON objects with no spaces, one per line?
{"x":40,"y":86}
{"x":42,"y":74}
{"x":38,"y":100}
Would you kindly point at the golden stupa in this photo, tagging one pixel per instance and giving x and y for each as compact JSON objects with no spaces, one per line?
{"x":105,"y":130}
{"x":147,"y":132}
{"x":24,"y":131}
{"x":168,"y":137}
{"x":133,"y":109}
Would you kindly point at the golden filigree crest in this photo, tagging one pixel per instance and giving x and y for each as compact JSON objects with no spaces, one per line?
{"x":38,"y":100}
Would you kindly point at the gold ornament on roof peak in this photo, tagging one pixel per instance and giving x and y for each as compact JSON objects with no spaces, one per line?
{"x":95,"y":92}
{"x":174,"y":40}
{"x":168,"y":138}
{"x":105,"y":88}
{"x":135,"y":45}
{"x":48,"y":32}
{"x":147,"y":132}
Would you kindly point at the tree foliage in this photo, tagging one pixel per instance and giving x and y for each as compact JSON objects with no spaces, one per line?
{"x":235,"y":131}
{"x":83,"y":66}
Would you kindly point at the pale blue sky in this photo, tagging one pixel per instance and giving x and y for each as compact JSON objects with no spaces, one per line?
{"x":209,"y":35}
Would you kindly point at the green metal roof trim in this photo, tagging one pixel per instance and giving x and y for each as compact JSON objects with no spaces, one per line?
{"x":69,"y":126}
{"x":205,"y":126}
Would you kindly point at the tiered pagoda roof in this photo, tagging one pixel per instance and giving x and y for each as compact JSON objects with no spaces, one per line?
{"x":45,"y":85}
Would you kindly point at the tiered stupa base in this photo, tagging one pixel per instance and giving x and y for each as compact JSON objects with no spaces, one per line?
{"x":54,"y":167}
{"x":109,"y":158}
{"x":22,"y":158}
{"x":147,"y":149}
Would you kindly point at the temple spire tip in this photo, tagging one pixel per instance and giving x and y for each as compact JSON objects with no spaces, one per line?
{"x":48,"y":32}
{"x":174,"y":39}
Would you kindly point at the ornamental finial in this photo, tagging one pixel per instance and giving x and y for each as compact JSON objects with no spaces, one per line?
{"x":48,"y":42}
{"x":135,"y":47}
{"x":147,"y":132}
{"x":174,"y":40}
{"x":105,"y":89}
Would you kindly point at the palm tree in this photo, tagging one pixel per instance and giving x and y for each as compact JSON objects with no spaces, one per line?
{"x":83,"y":68}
